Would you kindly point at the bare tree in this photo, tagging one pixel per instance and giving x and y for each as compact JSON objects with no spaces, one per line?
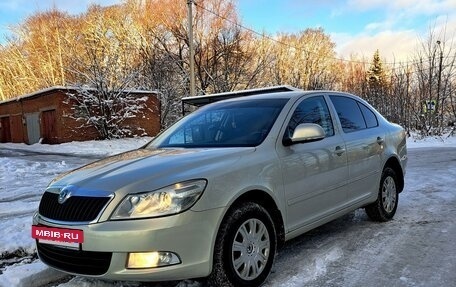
{"x":166,"y":78}
{"x":35,"y":57}
{"x":435,"y":77}
{"x":105,"y":74}
{"x":352,"y":76}
{"x":305,"y":60}
{"x":145,"y":44}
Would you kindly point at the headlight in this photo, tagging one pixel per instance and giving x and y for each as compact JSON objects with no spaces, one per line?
{"x":172,"y":199}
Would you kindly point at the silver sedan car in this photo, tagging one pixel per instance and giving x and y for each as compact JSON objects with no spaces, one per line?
{"x":216,"y":194}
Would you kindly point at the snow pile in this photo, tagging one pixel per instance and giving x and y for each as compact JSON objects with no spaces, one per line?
{"x":34,"y":274}
{"x":431,"y":142}
{"x":85,"y":148}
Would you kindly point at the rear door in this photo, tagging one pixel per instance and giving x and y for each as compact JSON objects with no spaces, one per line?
{"x":314,"y":173}
{"x":364,"y":140}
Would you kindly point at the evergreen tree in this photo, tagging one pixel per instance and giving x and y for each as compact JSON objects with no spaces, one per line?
{"x":377,"y":85}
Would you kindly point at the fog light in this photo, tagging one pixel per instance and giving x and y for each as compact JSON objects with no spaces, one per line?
{"x":152,"y":259}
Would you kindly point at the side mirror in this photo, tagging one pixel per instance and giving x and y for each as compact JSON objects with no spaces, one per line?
{"x":306,"y":133}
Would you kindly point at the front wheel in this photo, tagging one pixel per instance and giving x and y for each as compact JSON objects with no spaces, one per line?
{"x":245,"y":247}
{"x":384,"y":208}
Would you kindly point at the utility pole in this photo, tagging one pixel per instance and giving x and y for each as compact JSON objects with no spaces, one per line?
{"x":438,"y":85}
{"x":191,"y":48}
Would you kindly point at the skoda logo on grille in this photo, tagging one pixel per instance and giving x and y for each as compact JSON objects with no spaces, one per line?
{"x":64,"y":194}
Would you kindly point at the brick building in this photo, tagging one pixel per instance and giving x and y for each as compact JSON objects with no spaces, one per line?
{"x":44,"y":115}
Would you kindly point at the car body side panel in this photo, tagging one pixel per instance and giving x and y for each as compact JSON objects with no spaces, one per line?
{"x":397,"y":145}
{"x":315,"y":179}
{"x":365,"y":156}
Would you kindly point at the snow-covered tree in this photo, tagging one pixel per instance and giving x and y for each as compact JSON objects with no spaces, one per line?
{"x":106,"y":72}
{"x":106,"y":110}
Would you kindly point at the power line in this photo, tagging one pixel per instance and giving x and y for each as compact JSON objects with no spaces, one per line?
{"x":297,"y":48}
{"x":268,"y":37}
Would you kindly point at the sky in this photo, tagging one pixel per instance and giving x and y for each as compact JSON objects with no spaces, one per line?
{"x":358,"y":27}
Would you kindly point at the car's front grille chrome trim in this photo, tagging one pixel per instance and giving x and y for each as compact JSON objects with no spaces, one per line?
{"x":78,"y":208}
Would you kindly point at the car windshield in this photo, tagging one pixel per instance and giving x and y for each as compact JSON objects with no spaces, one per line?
{"x":225,"y":124}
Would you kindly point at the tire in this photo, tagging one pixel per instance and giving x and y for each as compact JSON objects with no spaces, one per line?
{"x":246,"y":238}
{"x":384,"y":208}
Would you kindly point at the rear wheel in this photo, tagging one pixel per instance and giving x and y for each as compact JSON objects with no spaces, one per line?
{"x":384,"y":208}
{"x":245,"y":247}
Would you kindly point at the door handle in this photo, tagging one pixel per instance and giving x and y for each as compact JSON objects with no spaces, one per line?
{"x":339,"y":150}
{"x":380,"y":140}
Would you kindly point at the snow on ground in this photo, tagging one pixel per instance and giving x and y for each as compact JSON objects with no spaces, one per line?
{"x":33,"y":274}
{"x":436,"y":141}
{"x":85,"y":148}
{"x":23,"y":179}
{"x":18,"y":201}
{"x":111,"y":147}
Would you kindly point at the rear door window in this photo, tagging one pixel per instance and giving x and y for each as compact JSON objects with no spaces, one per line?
{"x":349,"y":113}
{"x":369,"y":116}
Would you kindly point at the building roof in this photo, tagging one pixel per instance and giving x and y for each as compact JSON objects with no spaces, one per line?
{"x":56,"y":88}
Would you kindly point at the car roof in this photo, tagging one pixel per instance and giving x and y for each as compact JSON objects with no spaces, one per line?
{"x":289,"y":95}
{"x":275,"y":92}
{"x":199,"y":101}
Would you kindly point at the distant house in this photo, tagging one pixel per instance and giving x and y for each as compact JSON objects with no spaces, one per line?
{"x":44,"y":115}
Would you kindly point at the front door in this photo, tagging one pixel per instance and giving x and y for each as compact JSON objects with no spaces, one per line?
{"x":314,"y":173}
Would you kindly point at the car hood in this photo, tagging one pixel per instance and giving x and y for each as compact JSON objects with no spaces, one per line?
{"x":149,"y":169}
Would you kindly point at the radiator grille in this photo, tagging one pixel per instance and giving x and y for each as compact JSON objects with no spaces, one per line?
{"x":75,"y":208}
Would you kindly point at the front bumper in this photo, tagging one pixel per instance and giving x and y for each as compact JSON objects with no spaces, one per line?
{"x":191,"y":235}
